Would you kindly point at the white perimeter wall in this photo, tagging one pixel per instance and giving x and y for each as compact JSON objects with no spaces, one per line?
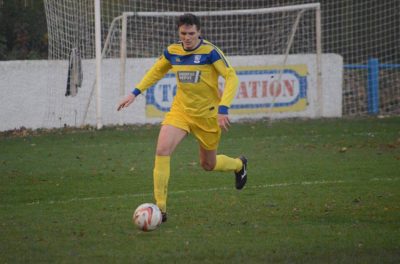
{"x":25,"y":87}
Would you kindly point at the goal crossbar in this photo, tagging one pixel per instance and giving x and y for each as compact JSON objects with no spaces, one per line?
{"x":228,"y":12}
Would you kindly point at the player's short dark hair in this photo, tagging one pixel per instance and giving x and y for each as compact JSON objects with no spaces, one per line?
{"x":188,"y":19}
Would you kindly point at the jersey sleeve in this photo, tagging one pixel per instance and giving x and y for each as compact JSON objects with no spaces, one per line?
{"x":156,"y":72}
{"x":231,"y":81}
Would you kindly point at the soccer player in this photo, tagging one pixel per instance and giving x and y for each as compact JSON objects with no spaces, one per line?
{"x":198,"y":107}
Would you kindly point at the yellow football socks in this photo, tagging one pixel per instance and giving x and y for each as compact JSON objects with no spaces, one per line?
{"x":225,"y":163}
{"x":161,"y":174}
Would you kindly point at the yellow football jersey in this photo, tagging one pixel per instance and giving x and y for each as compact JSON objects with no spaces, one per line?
{"x":197,"y":73}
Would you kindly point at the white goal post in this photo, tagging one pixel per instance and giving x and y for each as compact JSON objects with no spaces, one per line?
{"x":280,"y":31}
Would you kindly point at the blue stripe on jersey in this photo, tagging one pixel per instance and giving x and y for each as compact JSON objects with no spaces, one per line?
{"x":219,"y":54}
{"x":193,"y":59}
{"x":214,"y":56}
{"x":167,"y":55}
{"x":196,"y":59}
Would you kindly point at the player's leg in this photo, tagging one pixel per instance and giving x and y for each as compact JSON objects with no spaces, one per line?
{"x":168,"y":139}
{"x":210,"y":161}
{"x":208,"y":158}
{"x":208,"y":134}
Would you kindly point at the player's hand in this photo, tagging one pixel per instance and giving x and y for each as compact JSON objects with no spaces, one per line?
{"x":223,"y":122}
{"x":126,"y":101}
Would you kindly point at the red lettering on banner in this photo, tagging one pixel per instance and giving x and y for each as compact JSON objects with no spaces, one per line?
{"x":264,"y":89}
{"x":275,"y":88}
{"x":289,"y":84}
{"x":242,"y":90}
{"x":253,"y":85}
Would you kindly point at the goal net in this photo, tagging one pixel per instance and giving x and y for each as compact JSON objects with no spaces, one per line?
{"x":136,"y":32}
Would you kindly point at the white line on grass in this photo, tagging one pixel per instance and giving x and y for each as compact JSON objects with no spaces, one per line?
{"x":217,"y":189}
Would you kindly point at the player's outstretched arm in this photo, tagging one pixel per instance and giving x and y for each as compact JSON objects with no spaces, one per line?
{"x":156,"y":72}
{"x":126,"y":101}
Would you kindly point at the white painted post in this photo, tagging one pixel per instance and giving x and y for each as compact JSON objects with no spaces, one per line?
{"x":320,"y":94}
{"x":97,"y":14}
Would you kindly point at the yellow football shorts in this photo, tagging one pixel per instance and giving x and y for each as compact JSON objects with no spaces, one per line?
{"x":205,"y":130}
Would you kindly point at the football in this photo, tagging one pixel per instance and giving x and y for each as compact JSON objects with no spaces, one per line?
{"x":147,"y":217}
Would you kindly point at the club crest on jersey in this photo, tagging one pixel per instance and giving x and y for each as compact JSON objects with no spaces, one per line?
{"x":197,"y":58}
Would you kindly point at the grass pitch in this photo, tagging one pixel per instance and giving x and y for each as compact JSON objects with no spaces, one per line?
{"x":319,"y":191}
